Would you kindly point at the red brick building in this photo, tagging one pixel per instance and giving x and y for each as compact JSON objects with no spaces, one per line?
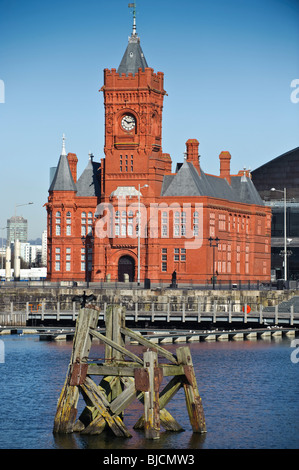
{"x":192,"y":222}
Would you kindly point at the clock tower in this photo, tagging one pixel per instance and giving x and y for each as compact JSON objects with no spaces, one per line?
{"x":133,"y":100}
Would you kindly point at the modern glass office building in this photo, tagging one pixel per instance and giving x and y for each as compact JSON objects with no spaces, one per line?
{"x":275,"y":180}
{"x":17,"y":228}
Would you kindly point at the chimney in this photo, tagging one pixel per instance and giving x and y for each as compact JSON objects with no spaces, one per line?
{"x":192,"y":153}
{"x":73,"y":160}
{"x":225,"y":165}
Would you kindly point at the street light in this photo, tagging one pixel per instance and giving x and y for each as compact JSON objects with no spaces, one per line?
{"x":138,"y":240}
{"x":19,"y":205}
{"x":284,"y":191}
{"x":216,"y":240}
{"x":2,"y":228}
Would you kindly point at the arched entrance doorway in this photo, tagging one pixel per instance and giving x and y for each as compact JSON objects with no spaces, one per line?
{"x":126,"y":265}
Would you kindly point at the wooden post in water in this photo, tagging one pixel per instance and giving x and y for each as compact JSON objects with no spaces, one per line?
{"x":125,"y":377}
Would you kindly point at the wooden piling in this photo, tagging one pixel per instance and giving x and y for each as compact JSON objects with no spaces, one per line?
{"x":193,"y":399}
{"x":125,"y":377}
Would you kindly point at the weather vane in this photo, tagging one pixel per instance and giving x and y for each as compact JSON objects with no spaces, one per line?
{"x":133,"y":5}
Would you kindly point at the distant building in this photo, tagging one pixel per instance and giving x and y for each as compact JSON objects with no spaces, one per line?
{"x":17,"y":227}
{"x":279,"y":173}
{"x":31,"y":254}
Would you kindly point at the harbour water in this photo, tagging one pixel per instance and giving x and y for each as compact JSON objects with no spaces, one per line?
{"x":249,"y":389}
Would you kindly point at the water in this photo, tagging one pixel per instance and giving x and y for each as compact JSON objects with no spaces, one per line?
{"x":250,"y":393}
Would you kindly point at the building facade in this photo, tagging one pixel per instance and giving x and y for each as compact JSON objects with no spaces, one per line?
{"x":129,"y":216}
{"x":283,"y":174}
{"x":17,"y":227}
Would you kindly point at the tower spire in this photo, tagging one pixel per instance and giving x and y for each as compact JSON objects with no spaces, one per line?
{"x":133,"y":5}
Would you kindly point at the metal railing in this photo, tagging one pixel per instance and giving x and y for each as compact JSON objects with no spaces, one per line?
{"x":156,"y":284}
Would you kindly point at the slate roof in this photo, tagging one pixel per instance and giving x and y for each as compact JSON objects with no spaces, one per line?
{"x":133,"y":57}
{"x":187,"y":182}
{"x":63,"y":180}
{"x":89,"y":182}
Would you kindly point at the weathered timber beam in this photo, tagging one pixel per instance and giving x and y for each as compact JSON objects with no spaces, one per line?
{"x":151,"y":397}
{"x":149,"y":344}
{"x":167,"y":421}
{"x":114,"y":422}
{"x":128,"y":371}
{"x":193,"y":399}
{"x":115,"y":346}
{"x":123,"y":400}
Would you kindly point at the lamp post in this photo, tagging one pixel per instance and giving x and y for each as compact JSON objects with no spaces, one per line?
{"x":88,"y":242}
{"x":138,"y":234}
{"x":2,"y":228}
{"x":284,"y":191}
{"x":216,"y":240}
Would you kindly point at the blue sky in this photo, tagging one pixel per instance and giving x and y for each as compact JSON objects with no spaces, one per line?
{"x":228,"y":69}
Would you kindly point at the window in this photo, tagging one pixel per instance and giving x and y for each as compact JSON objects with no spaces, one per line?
{"x":123,"y":223}
{"x":68,"y":266}
{"x":68,"y":254}
{"x":131,"y":162}
{"x":247,"y":225}
{"x":89,"y":222}
{"x":164,"y":224}
{"x":183,"y":224}
{"x":212,"y":225}
{"x":82,"y":259}
{"x":222,"y":222}
{"x":238,"y":267}
{"x":164,"y":260}
{"x":121,"y":163}
{"x":58,"y":223}
{"x":130,"y":223}
{"x":83,"y":224}
{"x":116,"y":226}
{"x":195,"y":224}
{"x":50,"y":224}
{"x":183,"y":254}
{"x":57,"y":254}
{"x":68,"y":223}
{"x":176,"y":228}
{"x":57,"y":259}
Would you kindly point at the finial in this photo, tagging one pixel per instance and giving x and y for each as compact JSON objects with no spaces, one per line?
{"x":133,"y":5}
{"x":90,"y":156}
{"x":63,"y":152}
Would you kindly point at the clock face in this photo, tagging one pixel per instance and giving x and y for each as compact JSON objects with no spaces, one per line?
{"x":128,"y":123}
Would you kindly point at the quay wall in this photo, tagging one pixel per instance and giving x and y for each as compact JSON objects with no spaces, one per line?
{"x":256,"y":299}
